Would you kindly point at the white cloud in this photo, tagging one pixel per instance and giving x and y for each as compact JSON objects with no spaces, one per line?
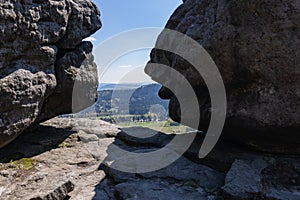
{"x":90,"y":39}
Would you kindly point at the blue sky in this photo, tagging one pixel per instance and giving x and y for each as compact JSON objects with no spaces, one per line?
{"x":118,"y":16}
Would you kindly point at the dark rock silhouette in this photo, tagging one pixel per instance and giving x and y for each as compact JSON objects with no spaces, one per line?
{"x":42,"y":56}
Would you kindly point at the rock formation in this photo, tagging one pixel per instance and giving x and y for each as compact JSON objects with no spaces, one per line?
{"x":255,"y":45}
{"x":70,"y":159}
{"x":42,"y":57}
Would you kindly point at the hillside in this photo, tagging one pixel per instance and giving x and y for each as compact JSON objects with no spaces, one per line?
{"x":126,"y":100}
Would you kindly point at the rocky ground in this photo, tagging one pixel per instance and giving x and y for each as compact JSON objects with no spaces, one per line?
{"x":67,"y":159}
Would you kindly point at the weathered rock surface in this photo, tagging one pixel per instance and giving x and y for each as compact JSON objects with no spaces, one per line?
{"x":42,"y":57}
{"x":60,"y":159}
{"x":255,"y":45}
{"x":53,"y":164}
{"x":261,"y":179}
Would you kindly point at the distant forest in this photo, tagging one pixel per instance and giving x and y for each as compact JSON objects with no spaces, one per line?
{"x":127,"y":103}
{"x":141,"y":101}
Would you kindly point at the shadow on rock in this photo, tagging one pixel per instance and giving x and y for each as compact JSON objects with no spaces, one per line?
{"x":228,"y":172}
{"x":181,"y":179}
{"x":36,"y":141}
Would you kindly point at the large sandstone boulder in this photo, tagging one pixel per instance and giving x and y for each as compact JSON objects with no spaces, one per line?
{"x":255,"y":45}
{"x":42,"y":56}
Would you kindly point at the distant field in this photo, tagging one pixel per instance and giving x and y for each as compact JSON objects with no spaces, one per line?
{"x":164,"y":127}
{"x":124,"y":121}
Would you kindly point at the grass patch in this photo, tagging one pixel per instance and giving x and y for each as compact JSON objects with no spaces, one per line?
{"x":24,"y":165}
{"x":164,"y":127}
{"x":65,"y":144}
